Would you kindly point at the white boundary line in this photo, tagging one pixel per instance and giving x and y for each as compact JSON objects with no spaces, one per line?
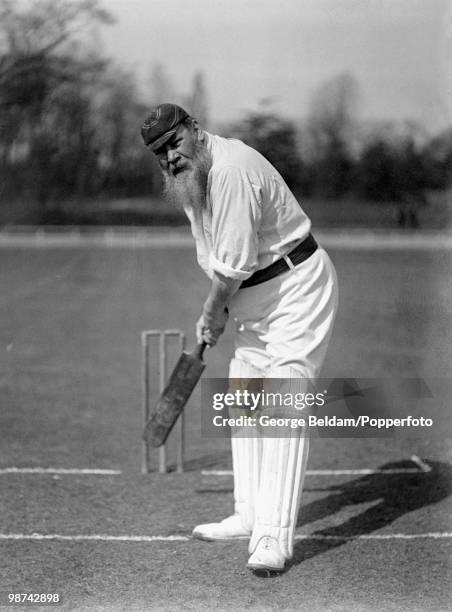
{"x":111,"y":238}
{"x":181,"y":538}
{"x":40,"y":470}
{"x":101,"y":240}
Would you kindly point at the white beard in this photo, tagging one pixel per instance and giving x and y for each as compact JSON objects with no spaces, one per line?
{"x":189,"y":187}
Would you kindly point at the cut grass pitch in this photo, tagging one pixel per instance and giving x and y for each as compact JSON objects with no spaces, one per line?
{"x":70,"y":325}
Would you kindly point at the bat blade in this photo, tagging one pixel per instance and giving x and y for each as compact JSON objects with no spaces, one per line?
{"x":176,"y":394}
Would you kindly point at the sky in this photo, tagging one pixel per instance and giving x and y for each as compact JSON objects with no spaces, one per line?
{"x":399,"y":51}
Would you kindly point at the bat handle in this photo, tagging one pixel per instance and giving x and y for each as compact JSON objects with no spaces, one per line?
{"x":199,"y":350}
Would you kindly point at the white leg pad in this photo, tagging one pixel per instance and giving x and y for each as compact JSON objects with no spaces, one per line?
{"x":283,"y":467}
{"x":246,"y":456}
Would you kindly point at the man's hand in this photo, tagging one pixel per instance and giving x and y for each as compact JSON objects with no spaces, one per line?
{"x":210,"y":326}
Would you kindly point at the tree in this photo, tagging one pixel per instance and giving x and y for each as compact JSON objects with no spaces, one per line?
{"x":35,"y":56}
{"x":197,"y":101}
{"x":275,"y":138}
{"x":44,"y":77}
{"x":124,"y":165}
{"x":438,"y":159}
{"x":160,"y":85}
{"x":377,"y":171}
{"x":393,"y":168}
{"x":330,"y":133}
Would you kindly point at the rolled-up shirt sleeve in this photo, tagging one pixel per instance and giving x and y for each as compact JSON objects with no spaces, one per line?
{"x":236,"y":217}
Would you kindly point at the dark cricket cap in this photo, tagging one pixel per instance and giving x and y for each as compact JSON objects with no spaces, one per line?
{"x":162,"y":124}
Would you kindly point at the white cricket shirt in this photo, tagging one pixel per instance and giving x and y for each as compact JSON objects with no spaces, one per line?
{"x":251,"y":217}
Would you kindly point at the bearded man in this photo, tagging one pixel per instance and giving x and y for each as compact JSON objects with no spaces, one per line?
{"x":269,"y":274}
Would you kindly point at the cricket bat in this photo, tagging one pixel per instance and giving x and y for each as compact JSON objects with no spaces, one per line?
{"x":176,"y":394}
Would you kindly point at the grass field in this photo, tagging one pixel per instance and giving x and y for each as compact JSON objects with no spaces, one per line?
{"x":70,"y":365}
{"x":153,"y":212}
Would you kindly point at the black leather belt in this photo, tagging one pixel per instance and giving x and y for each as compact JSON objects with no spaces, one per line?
{"x":300,"y":253}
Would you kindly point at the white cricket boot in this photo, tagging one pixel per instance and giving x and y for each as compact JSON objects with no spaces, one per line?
{"x":267,"y":556}
{"x":228,"y":529}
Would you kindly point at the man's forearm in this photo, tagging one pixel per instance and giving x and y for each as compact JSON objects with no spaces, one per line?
{"x":221,"y":291}
{"x":214,"y":316}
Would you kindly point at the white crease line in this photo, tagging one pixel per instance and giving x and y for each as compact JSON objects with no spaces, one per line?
{"x":424,"y":467}
{"x":378,"y":536}
{"x":40,"y":470}
{"x":181,"y":538}
{"x":95,"y":537}
{"x":362,"y":472}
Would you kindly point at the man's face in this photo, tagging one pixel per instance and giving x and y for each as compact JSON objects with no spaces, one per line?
{"x":177,"y":154}
{"x":185,"y":164}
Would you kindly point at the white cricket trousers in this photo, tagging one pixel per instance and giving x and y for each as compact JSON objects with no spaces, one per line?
{"x":283,"y":327}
